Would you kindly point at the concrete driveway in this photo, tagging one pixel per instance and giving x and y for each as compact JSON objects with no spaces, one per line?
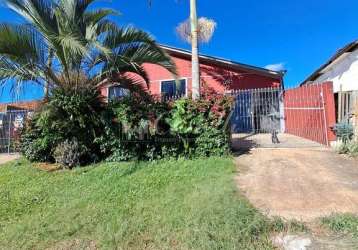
{"x":299,"y":183}
{"x":4,"y":158}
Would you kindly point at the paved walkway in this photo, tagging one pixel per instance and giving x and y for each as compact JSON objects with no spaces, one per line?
{"x":299,"y":183}
{"x":6,"y":158}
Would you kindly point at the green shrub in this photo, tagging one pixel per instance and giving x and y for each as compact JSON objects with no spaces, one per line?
{"x":69,"y":153}
{"x":75,"y":124}
{"x":185,"y":121}
{"x":202,"y":124}
{"x":34,"y":145}
{"x":148,"y":130}
{"x":212,"y":142}
{"x":133,"y":130}
{"x":344,"y":131}
{"x":68,"y":114}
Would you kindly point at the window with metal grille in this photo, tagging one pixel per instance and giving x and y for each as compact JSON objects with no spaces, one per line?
{"x":117,"y":92}
{"x":173,"y":88}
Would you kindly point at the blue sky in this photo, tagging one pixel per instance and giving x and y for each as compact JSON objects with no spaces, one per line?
{"x":300,"y":35}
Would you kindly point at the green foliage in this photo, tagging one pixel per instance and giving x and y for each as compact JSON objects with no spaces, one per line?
{"x":69,"y":153}
{"x":350,"y":148}
{"x":344,"y":131}
{"x":185,"y":204}
{"x":147,"y":130}
{"x":185,"y":120}
{"x":342,"y":223}
{"x":133,"y":128}
{"x":212,"y":141}
{"x":34,"y":145}
{"x":60,"y":39}
{"x":133,"y":131}
{"x":202,"y":124}
{"x":69,"y":114}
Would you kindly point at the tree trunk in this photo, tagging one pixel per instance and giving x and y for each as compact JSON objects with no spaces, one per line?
{"x":194,"y":51}
{"x":47,"y":83}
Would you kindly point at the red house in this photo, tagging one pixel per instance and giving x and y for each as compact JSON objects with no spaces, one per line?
{"x":219,"y":74}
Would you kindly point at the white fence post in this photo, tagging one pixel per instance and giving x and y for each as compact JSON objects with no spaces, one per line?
{"x":9,"y":134}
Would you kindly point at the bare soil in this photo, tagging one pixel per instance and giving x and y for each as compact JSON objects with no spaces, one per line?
{"x":4,"y":158}
{"x":299,"y":183}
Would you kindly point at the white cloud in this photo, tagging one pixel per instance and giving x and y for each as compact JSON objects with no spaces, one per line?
{"x":276,"y":66}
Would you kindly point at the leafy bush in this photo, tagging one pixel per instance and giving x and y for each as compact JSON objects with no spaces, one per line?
{"x":69,"y":114}
{"x":133,"y":129}
{"x":344,"y":131}
{"x":34,"y":146}
{"x":212,"y":141}
{"x":69,"y":153}
{"x":73,"y":128}
{"x":147,"y":130}
{"x":185,"y":121}
{"x":202,"y":124}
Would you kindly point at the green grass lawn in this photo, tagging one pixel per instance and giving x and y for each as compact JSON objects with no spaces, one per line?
{"x":161,"y":205}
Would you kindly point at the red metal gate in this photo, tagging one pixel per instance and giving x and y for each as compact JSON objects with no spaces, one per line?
{"x":310,"y":112}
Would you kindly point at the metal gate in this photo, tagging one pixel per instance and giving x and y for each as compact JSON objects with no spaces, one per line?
{"x":310,"y":112}
{"x":11,"y":124}
{"x":307,"y":111}
{"x":256,"y":110}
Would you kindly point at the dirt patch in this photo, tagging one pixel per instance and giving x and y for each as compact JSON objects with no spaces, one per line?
{"x":48,"y":167}
{"x":4,"y":158}
{"x":301,"y":184}
{"x":74,"y":245}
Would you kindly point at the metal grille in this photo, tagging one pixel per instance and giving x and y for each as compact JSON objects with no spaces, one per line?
{"x":305,"y":112}
{"x":11,"y":124}
{"x":257,"y":110}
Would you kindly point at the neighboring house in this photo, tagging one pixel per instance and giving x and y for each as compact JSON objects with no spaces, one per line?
{"x":218,"y":74}
{"x":18,"y":106}
{"x":12,"y":117}
{"x":342,"y":70}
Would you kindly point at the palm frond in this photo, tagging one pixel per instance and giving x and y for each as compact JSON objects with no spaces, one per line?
{"x":21,"y":43}
{"x":95,"y":16}
{"x":39,"y":13}
{"x":136,"y":46}
{"x":65,"y":38}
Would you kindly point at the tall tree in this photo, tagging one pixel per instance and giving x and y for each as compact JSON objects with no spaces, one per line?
{"x":194,"y":49}
{"x":64,"y":42}
{"x":195,"y":67}
{"x":204,"y":31}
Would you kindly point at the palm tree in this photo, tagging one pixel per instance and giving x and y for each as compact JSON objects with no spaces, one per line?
{"x":63,"y":42}
{"x":194,"y":49}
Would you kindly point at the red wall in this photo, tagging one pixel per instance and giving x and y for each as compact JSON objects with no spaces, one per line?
{"x":220,"y":78}
{"x":310,"y":112}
